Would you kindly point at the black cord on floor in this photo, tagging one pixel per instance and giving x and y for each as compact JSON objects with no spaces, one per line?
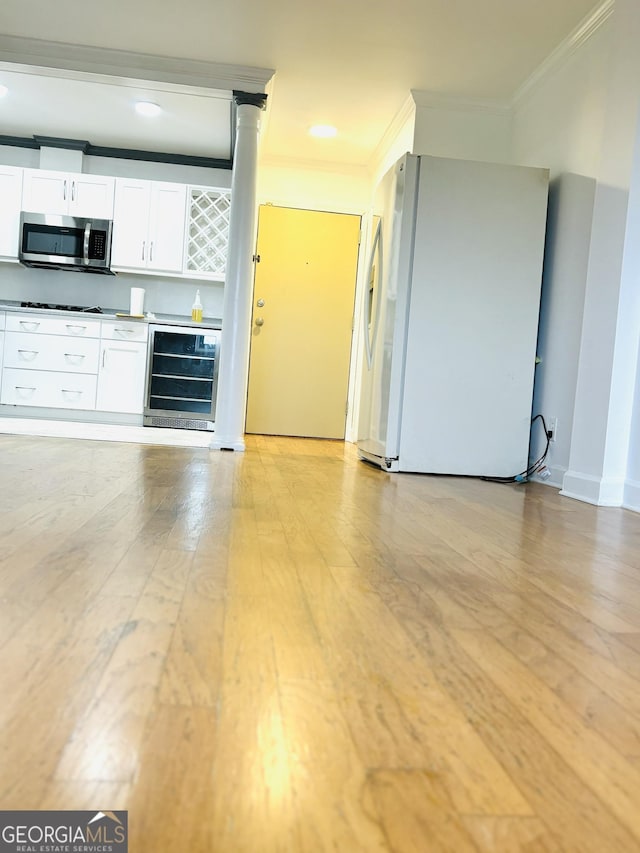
{"x":523,"y":476}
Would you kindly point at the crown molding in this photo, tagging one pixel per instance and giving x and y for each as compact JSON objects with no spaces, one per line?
{"x":140,"y":66}
{"x":581,"y":34}
{"x":435,"y":100}
{"x":404,"y":114}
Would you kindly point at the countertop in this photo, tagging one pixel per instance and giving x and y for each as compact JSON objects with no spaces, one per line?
{"x":111,"y":314}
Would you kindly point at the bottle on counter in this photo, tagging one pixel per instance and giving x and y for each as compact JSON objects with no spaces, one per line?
{"x":196,"y":309}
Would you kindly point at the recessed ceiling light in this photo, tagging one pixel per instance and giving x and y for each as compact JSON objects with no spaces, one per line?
{"x":3,"y":91}
{"x":147,"y":108}
{"x":323,"y":131}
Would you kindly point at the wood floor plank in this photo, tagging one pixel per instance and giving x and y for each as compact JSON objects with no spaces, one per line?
{"x":193,"y":666}
{"x":510,"y":834}
{"x":251,"y":757}
{"x":491,"y":556}
{"x":178,"y":749}
{"x":328,"y":778}
{"x":492,"y":606}
{"x":86,"y":796}
{"x":104,"y":745}
{"x":45,"y":694}
{"x":417,"y":814}
{"x":578,"y":688}
{"x":591,"y":758}
{"x":476,"y":782}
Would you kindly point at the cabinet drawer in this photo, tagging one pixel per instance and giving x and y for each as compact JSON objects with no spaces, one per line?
{"x":51,"y":352}
{"x":48,"y":389}
{"x":113,"y":330}
{"x":75,"y":327}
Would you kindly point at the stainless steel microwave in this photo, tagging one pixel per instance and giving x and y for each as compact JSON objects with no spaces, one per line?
{"x":50,"y":241}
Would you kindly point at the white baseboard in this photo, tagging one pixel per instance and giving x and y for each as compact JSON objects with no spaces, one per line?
{"x":632,"y":495}
{"x":593,"y":490}
{"x":105,"y":432}
{"x":220,"y":443}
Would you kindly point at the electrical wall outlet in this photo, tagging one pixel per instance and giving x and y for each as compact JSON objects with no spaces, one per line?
{"x":552,"y":426}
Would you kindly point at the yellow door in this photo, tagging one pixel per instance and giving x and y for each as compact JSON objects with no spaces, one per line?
{"x":302,"y":318}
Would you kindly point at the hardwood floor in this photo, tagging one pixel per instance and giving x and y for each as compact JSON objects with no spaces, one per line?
{"x":288,"y":650}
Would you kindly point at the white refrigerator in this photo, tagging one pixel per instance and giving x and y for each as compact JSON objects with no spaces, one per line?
{"x":450,"y":317}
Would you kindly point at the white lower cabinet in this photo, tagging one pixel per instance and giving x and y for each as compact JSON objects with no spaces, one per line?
{"x":48,"y":352}
{"x":71,"y":363}
{"x":48,"y":389}
{"x":2,"y":322}
{"x":50,"y":361}
{"x":123,"y":367}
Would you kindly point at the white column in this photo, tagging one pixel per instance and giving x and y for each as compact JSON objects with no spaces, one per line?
{"x":238,"y":288}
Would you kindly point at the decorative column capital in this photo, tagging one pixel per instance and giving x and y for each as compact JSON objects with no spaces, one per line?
{"x":252,"y":99}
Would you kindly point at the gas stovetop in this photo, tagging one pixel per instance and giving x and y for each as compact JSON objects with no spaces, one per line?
{"x":94,"y":309}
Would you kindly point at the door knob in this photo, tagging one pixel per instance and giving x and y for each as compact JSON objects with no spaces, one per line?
{"x":260,"y":303}
{"x":259,"y":321}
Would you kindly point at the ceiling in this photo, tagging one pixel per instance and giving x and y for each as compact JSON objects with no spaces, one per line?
{"x":350,"y":64}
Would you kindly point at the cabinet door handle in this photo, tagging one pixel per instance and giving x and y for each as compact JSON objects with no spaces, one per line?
{"x":73,"y":190}
{"x":144,"y":243}
{"x":151,"y":251}
{"x":71,"y":391}
{"x":64,"y":190}
{"x":29,"y":325}
{"x":24,"y":392}
{"x":32,"y":352}
{"x":77,"y":356}
{"x":104,"y":357}
{"x":71,"y":326}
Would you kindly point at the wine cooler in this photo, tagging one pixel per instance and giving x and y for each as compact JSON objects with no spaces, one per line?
{"x":182,"y":377}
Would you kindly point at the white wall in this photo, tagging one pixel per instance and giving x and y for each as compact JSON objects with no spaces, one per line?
{"x":559,"y":123}
{"x":147,"y":170}
{"x":632,"y":484}
{"x":569,"y":216}
{"x":397,"y":141}
{"x":472,"y":131}
{"x":11,"y":155}
{"x":631,"y":311}
{"x":111,"y":293}
{"x":313,"y":186}
{"x":611,"y":322}
{"x":583,"y":116}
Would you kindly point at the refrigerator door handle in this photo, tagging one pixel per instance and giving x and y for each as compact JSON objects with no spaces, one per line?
{"x":370,"y":315}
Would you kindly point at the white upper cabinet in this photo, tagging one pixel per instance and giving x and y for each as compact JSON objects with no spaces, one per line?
{"x":10,"y":201}
{"x":68,"y":193}
{"x":130,"y":223}
{"x":149,"y":224}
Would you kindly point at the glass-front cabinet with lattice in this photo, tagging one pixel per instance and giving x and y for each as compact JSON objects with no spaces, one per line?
{"x":207,"y":232}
